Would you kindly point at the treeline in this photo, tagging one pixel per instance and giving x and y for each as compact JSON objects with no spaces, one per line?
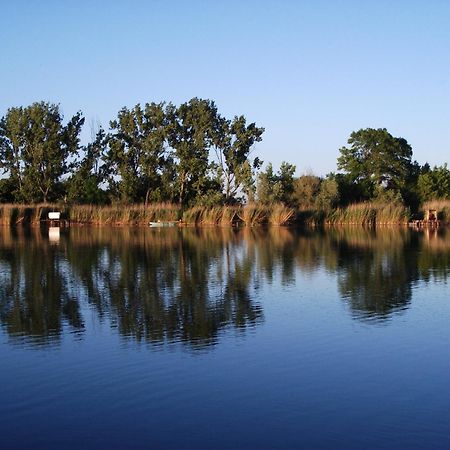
{"x":374,"y":167}
{"x":192,"y":155}
{"x":159,"y":152}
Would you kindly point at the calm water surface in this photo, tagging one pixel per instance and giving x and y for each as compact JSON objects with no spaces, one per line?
{"x":167,"y":338}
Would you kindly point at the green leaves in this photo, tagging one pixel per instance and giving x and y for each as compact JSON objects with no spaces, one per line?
{"x":136,"y":151}
{"x":434,"y":184}
{"x":376,"y":161}
{"x":276,"y":187}
{"x":155,"y":152}
{"x":35,"y":149}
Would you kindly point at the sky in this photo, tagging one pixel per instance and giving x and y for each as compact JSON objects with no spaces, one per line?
{"x":309,"y":72}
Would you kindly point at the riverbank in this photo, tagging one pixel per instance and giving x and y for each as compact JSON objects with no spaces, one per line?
{"x":365,"y":214}
{"x":116,"y":215}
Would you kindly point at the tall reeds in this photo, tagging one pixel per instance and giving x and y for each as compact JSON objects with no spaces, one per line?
{"x":369,"y":214}
{"x":11,"y":214}
{"x":281,"y":215}
{"x":125,"y":214}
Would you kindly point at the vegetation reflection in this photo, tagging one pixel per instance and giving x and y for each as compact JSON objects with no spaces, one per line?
{"x":151,"y":285}
{"x":191,"y":285}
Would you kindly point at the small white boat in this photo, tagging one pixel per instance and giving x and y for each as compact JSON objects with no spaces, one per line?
{"x":159,"y":224}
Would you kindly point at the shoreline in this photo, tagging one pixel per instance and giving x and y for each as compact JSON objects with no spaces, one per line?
{"x":360,"y":214}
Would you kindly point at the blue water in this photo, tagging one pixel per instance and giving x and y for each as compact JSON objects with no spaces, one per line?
{"x":137,"y":338}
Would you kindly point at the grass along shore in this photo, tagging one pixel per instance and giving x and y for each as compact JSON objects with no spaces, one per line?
{"x":366,"y":214}
{"x":249,"y":215}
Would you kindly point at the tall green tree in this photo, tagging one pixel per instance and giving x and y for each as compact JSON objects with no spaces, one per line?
{"x":36,"y":149}
{"x":434,"y":183}
{"x":377,"y":161}
{"x":85,"y":184}
{"x":233,"y":141}
{"x":306,"y":189}
{"x":137,"y":152}
{"x":276,"y":187}
{"x":191,"y":128}
{"x":328,"y":195}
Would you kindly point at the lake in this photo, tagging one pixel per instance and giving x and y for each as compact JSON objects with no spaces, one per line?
{"x":224,"y":338}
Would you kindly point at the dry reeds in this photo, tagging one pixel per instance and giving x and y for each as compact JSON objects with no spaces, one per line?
{"x":369,"y":214}
{"x":11,"y":214}
{"x":124,"y":215}
{"x":215,"y":215}
{"x":253,"y":214}
{"x":280,"y":214}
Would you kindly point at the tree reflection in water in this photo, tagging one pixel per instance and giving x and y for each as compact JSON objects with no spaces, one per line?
{"x":153,"y":285}
{"x":190,"y":285}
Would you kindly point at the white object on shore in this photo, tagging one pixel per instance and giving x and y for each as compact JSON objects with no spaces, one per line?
{"x":54,"y":215}
{"x":162,"y":224}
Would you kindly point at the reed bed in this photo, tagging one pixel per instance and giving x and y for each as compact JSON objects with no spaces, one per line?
{"x":216,"y":215}
{"x":388,"y":214}
{"x":254,"y":215}
{"x":369,"y":214}
{"x":366,"y":214}
{"x":124,"y":215}
{"x":281,"y":215}
{"x":28,"y":214}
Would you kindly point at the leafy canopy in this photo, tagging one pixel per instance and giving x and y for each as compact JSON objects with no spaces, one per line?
{"x":376,"y":161}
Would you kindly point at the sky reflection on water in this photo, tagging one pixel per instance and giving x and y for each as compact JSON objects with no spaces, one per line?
{"x":223,"y":338}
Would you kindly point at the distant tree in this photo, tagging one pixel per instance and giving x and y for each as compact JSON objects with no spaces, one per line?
{"x":190,"y":136}
{"x":137,"y":153}
{"x":232,"y":141}
{"x":306,"y":189}
{"x":377,"y":161}
{"x":328,"y":195}
{"x":276,"y":187}
{"x":265,"y":185}
{"x":285,"y":182}
{"x":348,"y":191}
{"x":434,"y":183}
{"x":84,"y":186}
{"x":36,"y":149}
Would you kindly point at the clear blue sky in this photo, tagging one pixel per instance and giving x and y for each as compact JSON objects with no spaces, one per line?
{"x":310,"y":72}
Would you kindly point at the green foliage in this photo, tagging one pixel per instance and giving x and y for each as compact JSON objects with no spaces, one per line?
{"x":376,"y":160}
{"x":189,"y":135}
{"x":233,"y":141}
{"x":369,"y":214}
{"x":276,"y":187}
{"x":84,"y":186}
{"x":306,"y":189}
{"x":434,"y":184}
{"x":35,"y":149}
{"x":191,"y":155}
{"x":137,"y":153}
{"x":328,"y":195}
{"x":312,"y":192}
{"x":154,"y":153}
